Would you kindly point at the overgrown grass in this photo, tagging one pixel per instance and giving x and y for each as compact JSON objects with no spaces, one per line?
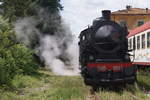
{"x":144,"y":80}
{"x":130,"y":92}
{"x":47,"y":86}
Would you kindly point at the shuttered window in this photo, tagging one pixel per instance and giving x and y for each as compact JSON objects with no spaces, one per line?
{"x":140,"y":22}
{"x":129,"y":43}
{"x":148,"y":40}
{"x":134,"y":45}
{"x":143,"y":41}
{"x":138,"y":42}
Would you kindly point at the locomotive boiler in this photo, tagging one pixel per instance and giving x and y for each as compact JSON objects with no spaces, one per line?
{"x":104,"y":56}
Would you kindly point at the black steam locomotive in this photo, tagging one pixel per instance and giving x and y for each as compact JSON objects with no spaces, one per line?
{"x":104,"y":56}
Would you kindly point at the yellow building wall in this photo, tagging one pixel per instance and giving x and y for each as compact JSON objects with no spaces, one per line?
{"x":131,"y":20}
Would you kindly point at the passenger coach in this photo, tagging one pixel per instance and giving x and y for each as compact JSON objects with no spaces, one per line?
{"x":139,"y":43}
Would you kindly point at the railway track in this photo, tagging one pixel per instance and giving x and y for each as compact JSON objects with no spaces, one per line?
{"x":92,"y":95}
{"x":134,"y":96}
{"x":129,"y":93}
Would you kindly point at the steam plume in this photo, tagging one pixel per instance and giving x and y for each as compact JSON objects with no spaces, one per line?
{"x":52,"y":38}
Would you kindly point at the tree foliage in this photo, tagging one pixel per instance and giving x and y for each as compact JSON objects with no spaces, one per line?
{"x":14,"y":9}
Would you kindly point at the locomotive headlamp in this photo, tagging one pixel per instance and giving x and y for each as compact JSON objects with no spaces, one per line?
{"x":91,"y":57}
{"x":83,"y":38}
{"x":117,"y":68}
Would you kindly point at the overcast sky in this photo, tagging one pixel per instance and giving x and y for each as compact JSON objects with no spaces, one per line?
{"x":80,"y":13}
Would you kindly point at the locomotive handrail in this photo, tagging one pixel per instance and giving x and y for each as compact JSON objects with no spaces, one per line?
{"x":130,"y":50}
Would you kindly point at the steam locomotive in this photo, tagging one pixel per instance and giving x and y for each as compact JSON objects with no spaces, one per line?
{"x":104,"y":56}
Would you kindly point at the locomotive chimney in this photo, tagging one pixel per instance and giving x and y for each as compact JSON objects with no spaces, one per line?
{"x":106,"y":14}
{"x":128,"y":7}
{"x":146,"y":10}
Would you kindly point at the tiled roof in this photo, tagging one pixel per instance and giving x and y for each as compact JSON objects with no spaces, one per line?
{"x":140,"y":29}
{"x":133,"y":11}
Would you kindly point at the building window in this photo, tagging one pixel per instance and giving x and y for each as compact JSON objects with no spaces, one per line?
{"x":138,"y":42}
{"x":130,"y":43}
{"x":143,"y":41}
{"x":134,"y":45}
{"x":123,"y":23}
{"x":140,"y":22}
{"x":148,"y":39}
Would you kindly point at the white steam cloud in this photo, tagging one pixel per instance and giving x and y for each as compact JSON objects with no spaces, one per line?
{"x":56,"y":46}
{"x":26,"y":30}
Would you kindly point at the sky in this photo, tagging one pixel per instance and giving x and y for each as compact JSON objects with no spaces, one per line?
{"x":78,"y":14}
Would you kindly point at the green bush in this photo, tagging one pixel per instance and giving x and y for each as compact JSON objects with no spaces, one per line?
{"x":17,"y":60}
{"x":7,"y":70}
{"x":14,"y":58}
{"x":24,"y":60}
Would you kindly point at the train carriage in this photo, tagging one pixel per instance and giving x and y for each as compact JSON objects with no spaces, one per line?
{"x":139,"y":43}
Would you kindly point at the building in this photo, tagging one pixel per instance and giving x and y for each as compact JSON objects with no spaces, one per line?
{"x":131,"y":17}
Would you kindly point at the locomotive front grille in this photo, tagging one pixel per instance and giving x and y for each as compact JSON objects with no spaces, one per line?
{"x":109,"y":75}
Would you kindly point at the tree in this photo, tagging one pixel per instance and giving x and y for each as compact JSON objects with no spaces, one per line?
{"x":14,"y":9}
{"x":52,"y":5}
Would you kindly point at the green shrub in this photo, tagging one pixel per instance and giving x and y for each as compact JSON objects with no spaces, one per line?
{"x":24,"y":60}
{"x":17,"y":60}
{"x":14,"y":58}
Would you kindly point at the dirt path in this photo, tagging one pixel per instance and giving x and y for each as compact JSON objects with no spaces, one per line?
{"x":134,"y":96}
{"x":23,"y":92}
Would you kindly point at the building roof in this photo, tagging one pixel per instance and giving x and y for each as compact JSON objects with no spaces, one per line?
{"x":140,"y":29}
{"x":132,"y":11}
